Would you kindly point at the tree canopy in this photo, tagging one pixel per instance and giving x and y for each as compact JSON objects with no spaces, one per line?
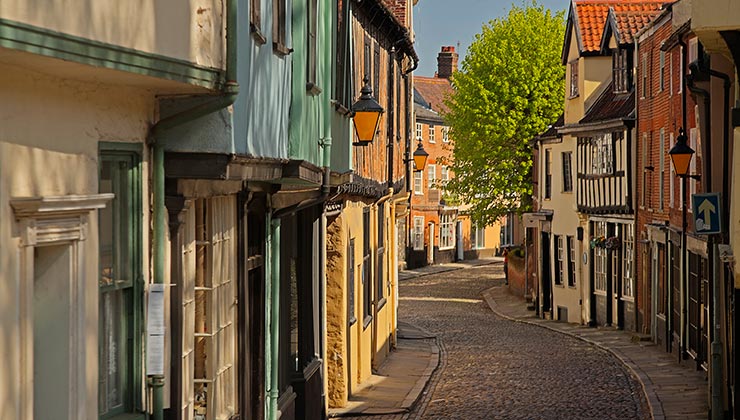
{"x":509,"y":89}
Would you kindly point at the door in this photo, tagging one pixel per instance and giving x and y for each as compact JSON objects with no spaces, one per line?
{"x":546,"y":287}
{"x":430,"y":248}
{"x":52,"y":306}
{"x":460,"y":248}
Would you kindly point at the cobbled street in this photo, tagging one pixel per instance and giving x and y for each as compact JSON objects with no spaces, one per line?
{"x":492,"y":368}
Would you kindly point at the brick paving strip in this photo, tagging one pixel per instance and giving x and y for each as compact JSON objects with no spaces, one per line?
{"x":672,"y":390}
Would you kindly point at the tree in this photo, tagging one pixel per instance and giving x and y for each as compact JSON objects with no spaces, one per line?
{"x":509,"y":89}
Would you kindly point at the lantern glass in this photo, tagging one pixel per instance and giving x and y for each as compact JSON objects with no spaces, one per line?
{"x":681,"y":163}
{"x":420,"y":162}
{"x":366,"y":125}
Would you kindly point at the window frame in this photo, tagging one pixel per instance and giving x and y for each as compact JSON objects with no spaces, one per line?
{"x":311,"y":47}
{"x":419,"y":129}
{"x":380,"y":255}
{"x":571,"y":249}
{"x":574,"y":91}
{"x":367,"y":279}
{"x":417,"y":239}
{"x":661,"y":73}
{"x":445,"y":134}
{"x":418,"y":183}
{"x":255,"y":21}
{"x":446,"y":231}
{"x":600,"y":260}
{"x":661,"y":169}
{"x":548,"y":174}
{"x":431,"y":174}
{"x":567,"y":163}
{"x":620,"y":73}
{"x":279,"y":28}
{"x":131,"y":324}
{"x":559,"y":266}
{"x":432,"y":138}
{"x":628,"y":244}
{"x":444,"y":174}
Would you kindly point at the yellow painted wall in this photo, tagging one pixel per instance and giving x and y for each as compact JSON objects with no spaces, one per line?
{"x":350,"y":364}
{"x":190,"y":30}
{"x":49,"y":134}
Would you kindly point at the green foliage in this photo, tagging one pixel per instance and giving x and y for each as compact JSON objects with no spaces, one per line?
{"x":509,"y":89}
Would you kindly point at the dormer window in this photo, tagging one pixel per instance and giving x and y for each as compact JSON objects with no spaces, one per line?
{"x":620,"y":71}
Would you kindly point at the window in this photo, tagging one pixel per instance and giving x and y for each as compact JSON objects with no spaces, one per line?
{"x":661,"y":169}
{"x":380,"y":274}
{"x":479,"y":237}
{"x":351,"y":282}
{"x":573,"y":78}
{"x":548,"y":173}
{"x":418,"y":183}
{"x":446,"y":134}
{"x":418,"y":233}
{"x":680,"y":69}
{"x":431,"y":175}
{"x":571,"y":261}
{"x":629,"y":260}
{"x":567,"y":172}
{"x":431,"y":134}
{"x":507,"y":230}
{"x":695,"y":141}
{"x":670,"y":73}
{"x":446,"y":231}
{"x":645,"y":169}
{"x":255,"y":20}
{"x":620,"y":71}
{"x":661,"y":75}
{"x":278,"y":28}
{"x":445,"y":174}
{"x":671,"y":180}
{"x":311,"y":33}
{"x":599,"y":258}
{"x":645,"y":70}
{"x":367,"y":283}
{"x":213,"y":293}
{"x":601,"y":154}
{"x":418,"y":131}
{"x":120,"y":287}
{"x":559,"y":260}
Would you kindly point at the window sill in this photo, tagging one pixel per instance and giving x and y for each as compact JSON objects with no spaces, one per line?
{"x":600,"y":293}
{"x":312,"y":89}
{"x":257,"y":34}
{"x":352,"y":321}
{"x":627,"y":299}
{"x":572,"y":286}
{"x":574,"y":96}
{"x":280,"y":49}
{"x":560,"y":285}
{"x":381,"y":303}
{"x":446,"y":248}
{"x":368,"y":319}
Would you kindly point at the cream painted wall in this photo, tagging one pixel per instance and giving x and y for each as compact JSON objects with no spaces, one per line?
{"x":191,"y":30}
{"x":592,"y":72}
{"x":565,"y":222}
{"x":49,"y":133}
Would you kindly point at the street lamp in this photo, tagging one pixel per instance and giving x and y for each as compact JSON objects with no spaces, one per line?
{"x":366,"y":113}
{"x":420,"y":157}
{"x":681,"y":155}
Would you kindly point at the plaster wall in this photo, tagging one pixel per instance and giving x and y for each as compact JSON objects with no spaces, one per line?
{"x":49,"y":147}
{"x":191,"y":30}
{"x":353,"y":350}
{"x":565,"y":222}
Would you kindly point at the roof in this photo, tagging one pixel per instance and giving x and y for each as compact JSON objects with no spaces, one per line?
{"x":627,"y":23}
{"x":551,"y":131}
{"x":589,"y":19}
{"x":425,"y":114}
{"x":611,"y":106}
{"x":433,"y":91}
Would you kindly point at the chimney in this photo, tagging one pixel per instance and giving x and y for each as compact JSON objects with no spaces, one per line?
{"x":446,"y":62}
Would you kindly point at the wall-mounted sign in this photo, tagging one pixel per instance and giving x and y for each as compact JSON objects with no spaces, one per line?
{"x":155,"y":331}
{"x":707,"y":213}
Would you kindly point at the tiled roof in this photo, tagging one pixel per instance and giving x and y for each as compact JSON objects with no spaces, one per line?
{"x":591,"y":16}
{"x":628,"y":23}
{"x":610,"y":106}
{"x":433,"y":91}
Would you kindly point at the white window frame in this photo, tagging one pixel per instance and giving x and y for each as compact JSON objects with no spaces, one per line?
{"x":661,"y":169}
{"x":419,"y":182}
{"x":559,"y":254}
{"x":629,"y":254}
{"x":479,"y":237}
{"x":431,"y":174}
{"x":446,"y":231}
{"x":418,"y":130}
{"x":680,"y":69}
{"x":431,"y":134}
{"x":602,"y":154}
{"x":600,"y":258}
{"x":445,"y":134}
{"x":417,"y":238}
{"x":445,"y":174}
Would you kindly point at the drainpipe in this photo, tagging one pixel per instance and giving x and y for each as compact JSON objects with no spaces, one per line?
{"x":228,"y":96}
{"x":272,"y":310}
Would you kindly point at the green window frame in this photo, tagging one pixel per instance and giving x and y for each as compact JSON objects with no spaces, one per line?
{"x":120,"y":282}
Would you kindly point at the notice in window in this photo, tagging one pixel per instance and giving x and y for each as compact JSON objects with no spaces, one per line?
{"x":155,"y":331}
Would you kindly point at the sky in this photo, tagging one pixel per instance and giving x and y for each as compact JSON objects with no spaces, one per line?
{"x":449,"y":22}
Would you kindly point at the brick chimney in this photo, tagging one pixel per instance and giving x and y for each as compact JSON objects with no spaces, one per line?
{"x":446,"y":62}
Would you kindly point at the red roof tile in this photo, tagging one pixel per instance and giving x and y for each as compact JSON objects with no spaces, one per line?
{"x":591,"y":16}
{"x":434,"y":90}
{"x":629,"y":23}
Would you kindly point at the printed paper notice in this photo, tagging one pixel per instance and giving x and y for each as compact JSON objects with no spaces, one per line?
{"x":155,"y":331}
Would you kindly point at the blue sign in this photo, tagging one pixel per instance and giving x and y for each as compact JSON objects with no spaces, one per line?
{"x":707,"y":213}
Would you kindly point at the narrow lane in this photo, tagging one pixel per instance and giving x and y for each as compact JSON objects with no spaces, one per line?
{"x":499,"y":369}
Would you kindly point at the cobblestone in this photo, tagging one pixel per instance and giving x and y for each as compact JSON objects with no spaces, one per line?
{"x":493,"y":368}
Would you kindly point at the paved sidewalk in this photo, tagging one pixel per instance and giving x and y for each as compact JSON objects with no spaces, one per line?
{"x":673,"y":391}
{"x":397,"y":385}
{"x":442,"y":268}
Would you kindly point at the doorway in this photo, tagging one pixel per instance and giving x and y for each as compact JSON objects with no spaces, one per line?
{"x":546,"y":274}
{"x":430,"y":249}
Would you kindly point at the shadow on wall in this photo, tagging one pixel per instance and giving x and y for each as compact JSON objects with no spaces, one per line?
{"x":516,"y":269}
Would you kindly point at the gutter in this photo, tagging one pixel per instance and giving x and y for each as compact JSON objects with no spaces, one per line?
{"x":226,"y":98}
